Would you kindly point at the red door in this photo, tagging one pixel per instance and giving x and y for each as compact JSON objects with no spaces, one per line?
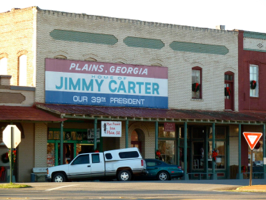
{"x":136,"y":144}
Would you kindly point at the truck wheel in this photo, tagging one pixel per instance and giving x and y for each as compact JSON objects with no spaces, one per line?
{"x":124,"y":175}
{"x":163,"y":176}
{"x":59,"y":177}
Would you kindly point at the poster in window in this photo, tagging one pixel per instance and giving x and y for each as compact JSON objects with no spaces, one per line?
{"x":91,"y":133}
{"x":50,"y":135}
{"x":67,"y":135}
{"x":84,"y":135}
{"x":79,"y":135}
{"x":56,"y":135}
{"x":73,"y":135}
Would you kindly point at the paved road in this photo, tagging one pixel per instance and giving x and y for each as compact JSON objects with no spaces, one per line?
{"x":176,"y":189}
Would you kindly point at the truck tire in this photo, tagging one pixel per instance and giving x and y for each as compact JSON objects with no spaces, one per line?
{"x":124,"y":175}
{"x":163,"y":176}
{"x":59,"y":177}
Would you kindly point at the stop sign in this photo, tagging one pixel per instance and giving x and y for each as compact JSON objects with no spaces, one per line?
{"x":7,"y":136}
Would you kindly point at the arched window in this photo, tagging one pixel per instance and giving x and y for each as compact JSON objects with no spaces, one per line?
{"x":229,"y":90}
{"x":60,"y":57}
{"x":196,"y":82}
{"x":23,"y":70}
{"x":3,"y":66}
{"x":91,"y":59}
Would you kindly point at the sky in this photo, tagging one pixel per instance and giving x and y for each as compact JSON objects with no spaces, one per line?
{"x":248,"y":15}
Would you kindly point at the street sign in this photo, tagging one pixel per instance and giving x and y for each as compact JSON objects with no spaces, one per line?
{"x":252,"y":138}
{"x":7,"y":136}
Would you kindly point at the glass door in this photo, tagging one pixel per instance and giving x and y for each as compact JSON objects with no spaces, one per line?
{"x":198,"y":155}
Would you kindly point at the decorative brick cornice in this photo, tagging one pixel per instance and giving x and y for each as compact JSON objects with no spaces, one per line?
{"x":135,"y":22}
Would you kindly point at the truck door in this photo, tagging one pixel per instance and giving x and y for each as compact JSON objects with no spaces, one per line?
{"x":97,"y":165}
{"x":80,"y":168}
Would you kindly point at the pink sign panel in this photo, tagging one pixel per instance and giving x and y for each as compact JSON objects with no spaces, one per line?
{"x":169,"y":126}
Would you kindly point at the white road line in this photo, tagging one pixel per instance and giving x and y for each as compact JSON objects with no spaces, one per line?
{"x":60,"y":187}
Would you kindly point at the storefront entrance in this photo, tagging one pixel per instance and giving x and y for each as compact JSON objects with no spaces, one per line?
{"x":201,"y":151}
{"x":138,"y":140}
{"x":75,"y":141}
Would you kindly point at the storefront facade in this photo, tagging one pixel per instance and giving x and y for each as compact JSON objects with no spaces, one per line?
{"x":166,"y":84}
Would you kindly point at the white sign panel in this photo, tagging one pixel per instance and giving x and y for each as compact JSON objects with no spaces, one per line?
{"x":254,"y":44}
{"x":7,"y":136}
{"x":111,"y":129}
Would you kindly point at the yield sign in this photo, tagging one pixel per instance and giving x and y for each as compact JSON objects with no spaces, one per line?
{"x":252,"y":138}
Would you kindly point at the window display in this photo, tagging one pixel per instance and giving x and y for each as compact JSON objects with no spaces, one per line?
{"x":50,"y":155}
{"x":167,"y":149}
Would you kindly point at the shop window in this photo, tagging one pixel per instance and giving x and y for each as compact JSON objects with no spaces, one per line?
{"x":182,"y":133}
{"x":220,"y":159}
{"x":196,"y":83}
{"x":3,"y":66}
{"x":257,"y":157}
{"x":197,"y":133}
{"x":165,"y":134}
{"x":23,"y":70}
{"x":220,"y":132}
{"x":167,"y":149}
{"x":50,"y":154}
{"x":254,"y":80}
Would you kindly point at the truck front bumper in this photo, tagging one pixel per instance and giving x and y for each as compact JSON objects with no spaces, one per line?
{"x":48,"y":178}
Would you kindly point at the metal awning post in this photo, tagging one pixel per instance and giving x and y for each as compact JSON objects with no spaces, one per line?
{"x":156,"y":135}
{"x":126,"y":134}
{"x":95,"y":134}
{"x":177,"y":146}
{"x":185,"y":152}
{"x":206,"y":153}
{"x":239,"y":175}
{"x":264,"y":152}
{"x":61,"y":142}
{"x":214,"y":175}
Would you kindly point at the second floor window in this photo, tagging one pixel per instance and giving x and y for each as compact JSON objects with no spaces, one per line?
{"x":23,"y":70}
{"x":196,"y":83}
{"x":254,"y":80}
{"x":3,"y":66}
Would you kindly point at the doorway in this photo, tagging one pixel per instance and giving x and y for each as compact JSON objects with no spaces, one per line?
{"x":137,"y":140}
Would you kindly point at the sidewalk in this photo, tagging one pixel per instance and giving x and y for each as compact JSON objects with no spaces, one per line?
{"x":252,"y":188}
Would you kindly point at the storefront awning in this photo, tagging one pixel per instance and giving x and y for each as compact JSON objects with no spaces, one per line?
{"x":146,"y":114}
{"x":32,"y":114}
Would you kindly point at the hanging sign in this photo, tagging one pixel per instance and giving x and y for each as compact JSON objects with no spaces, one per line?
{"x":169,"y":126}
{"x":252,"y":138}
{"x":111,"y":129}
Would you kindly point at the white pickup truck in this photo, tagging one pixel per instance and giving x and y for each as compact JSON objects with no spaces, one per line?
{"x":121,"y":164}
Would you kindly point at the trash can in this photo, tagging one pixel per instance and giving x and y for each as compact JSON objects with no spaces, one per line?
{"x":233,"y":171}
{"x":32,"y":177}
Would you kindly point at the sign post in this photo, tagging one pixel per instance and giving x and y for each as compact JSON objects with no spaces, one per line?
{"x":11,"y":138}
{"x":11,"y":154}
{"x":252,"y":139}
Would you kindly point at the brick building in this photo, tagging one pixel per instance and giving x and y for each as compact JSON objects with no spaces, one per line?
{"x":252,"y":60}
{"x":195,"y":70}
